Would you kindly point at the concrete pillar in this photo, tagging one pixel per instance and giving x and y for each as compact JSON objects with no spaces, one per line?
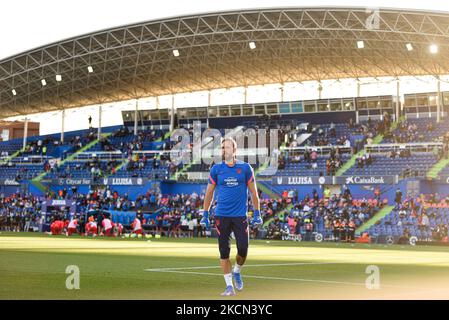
{"x":158,"y":105}
{"x":62,"y":125}
{"x":209,"y":102}
{"x":358,"y":96}
{"x":25,"y":133}
{"x":398,"y":101}
{"x":135,"y":117}
{"x":100,"y":111}
{"x":245,"y":96}
{"x":172,"y":115}
{"x":282,"y":92}
{"x":438,"y":99}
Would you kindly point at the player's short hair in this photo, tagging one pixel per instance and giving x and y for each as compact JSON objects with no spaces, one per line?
{"x":231,"y":140}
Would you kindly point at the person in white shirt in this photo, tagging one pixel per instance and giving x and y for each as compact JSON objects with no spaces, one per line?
{"x":137,"y":226}
{"x":72,"y":227}
{"x":425,"y":220}
{"x":107,"y":226}
{"x":192,"y":225}
{"x":91,"y":227}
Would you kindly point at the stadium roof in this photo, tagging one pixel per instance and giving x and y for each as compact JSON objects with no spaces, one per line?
{"x":291,"y":44}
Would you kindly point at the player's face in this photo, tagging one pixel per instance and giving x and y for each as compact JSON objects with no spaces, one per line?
{"x":228,"y":150}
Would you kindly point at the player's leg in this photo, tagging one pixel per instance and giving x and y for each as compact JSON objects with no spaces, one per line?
{"x":241,"y":232}
{"x":223,"y":227}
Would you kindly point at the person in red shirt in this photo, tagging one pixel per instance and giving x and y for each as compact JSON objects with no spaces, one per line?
{"x":56,"y":227}
{"x":53,"y":228}
{"x":119,"y":229}
{"x":91,"y":227}
{"x":61,"y":226}
{"x":66,"y":224}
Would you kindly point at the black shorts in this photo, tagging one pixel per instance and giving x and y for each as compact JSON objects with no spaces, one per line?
{"x":225,"y":226}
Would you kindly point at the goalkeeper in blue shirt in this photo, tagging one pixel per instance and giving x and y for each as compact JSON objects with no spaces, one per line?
{"x":230,"y":180}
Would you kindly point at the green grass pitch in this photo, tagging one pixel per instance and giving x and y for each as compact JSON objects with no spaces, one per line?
{"x":32,"y":266}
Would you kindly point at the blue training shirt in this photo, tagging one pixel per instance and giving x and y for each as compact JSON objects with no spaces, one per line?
{"x":231,"y":188}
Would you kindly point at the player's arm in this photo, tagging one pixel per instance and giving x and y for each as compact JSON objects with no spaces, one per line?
{"x":213,"y":178}
{"x":254,"y":195}
{"x":207,"y":203}
{"x":256,"y":220}
{"x":208,"y":196}
{"x":251,"y":182}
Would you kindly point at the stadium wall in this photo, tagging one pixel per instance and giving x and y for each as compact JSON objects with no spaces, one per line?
{"x":357,"y":191}
{"x":9,"y":190}
{"x":180,"y":187}
{"x":35,"y":191}
{"x":132,"y":191}
{"x":439,"y":187}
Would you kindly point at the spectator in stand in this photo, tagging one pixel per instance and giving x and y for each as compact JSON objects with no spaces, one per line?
{"x":309,"y":229}
{"x":351,"y":231}
{"x":424,"y":221}
{"x":326,"y":193}
{"x":398,"y":198}
{"x":314,"y":158}
{"x":405,"y":238}
{"x":377,"y":193}
{"x":274,"y":229}
{"x":336,"y":230}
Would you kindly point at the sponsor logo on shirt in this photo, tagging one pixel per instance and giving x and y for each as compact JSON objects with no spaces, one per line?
{"x":231,"y":182}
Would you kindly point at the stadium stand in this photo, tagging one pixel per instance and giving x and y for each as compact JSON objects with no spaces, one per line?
{"x":427,"y":220}
{"x":307,"y":149}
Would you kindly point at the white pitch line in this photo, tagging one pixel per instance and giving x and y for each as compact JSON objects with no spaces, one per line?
{"x":263,"y":277}
{"x":178,"y":270}
{"x":246,"y":266}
